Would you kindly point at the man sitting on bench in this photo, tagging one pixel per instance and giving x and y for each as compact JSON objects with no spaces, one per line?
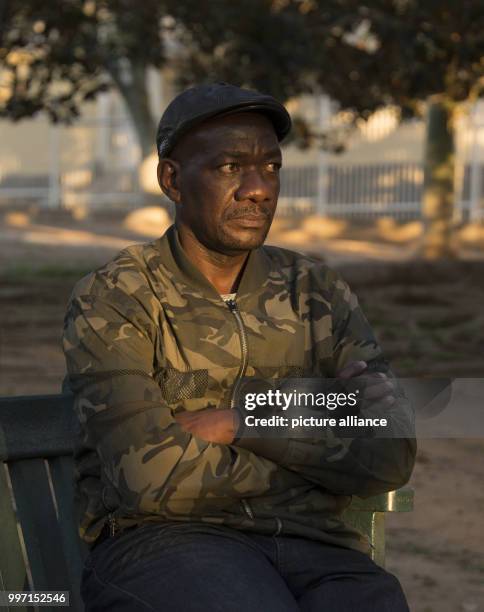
{"x":182,"y":509}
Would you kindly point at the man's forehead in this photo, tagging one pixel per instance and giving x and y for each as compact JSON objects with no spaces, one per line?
{"x":238,"y":131}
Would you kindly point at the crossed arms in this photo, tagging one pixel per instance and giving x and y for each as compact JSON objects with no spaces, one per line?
{"x":147,"y":452}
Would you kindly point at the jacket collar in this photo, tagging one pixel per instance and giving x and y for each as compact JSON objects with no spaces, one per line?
{"x":257,"y":269}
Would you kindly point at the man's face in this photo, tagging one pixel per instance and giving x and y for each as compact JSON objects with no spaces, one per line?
{"x":228,"y":181}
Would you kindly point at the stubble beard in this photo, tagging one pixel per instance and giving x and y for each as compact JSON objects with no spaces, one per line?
{"x":248,"y":240}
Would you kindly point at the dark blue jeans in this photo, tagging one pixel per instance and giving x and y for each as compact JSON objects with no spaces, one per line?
{"x":191,"y":567}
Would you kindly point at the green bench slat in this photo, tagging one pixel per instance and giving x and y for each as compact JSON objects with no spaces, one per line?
{"x":13,"y":574}
{"x":37,"y":516}
{"x":75,"y":551}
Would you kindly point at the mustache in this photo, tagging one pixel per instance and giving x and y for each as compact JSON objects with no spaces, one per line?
{"x":249,"y":211}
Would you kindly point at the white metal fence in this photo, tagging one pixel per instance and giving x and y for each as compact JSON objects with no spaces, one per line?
{"x":391,"y":189}
{"x":94,"y":164}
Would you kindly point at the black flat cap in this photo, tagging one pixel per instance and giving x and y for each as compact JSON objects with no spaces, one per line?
{"x":197,"y":104}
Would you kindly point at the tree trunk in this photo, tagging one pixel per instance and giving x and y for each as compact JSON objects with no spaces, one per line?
{"x":132,"y":87}
{"x":439,"y":193}
{"x":131,"y":84}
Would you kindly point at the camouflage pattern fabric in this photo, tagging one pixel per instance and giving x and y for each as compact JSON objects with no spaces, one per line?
{"x":147,"y":336}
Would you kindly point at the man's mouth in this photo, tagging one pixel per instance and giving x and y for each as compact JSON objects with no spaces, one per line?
{"x":251,"y":217}
{"x":251,"y":220}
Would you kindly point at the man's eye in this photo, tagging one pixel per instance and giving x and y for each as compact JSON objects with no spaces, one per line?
{"x":274,"y":167}
{"x":229,"y":168}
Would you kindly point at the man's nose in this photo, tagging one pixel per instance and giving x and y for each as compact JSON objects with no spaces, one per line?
{"x":255,"y":186}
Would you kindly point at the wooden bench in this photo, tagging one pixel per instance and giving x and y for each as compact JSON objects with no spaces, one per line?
{"x":40,"y":548}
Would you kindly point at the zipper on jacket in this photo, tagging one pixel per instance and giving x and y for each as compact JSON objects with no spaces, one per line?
{"x":244,"y":348}
{"x":247,"y":508}
{"x":113,"y":525}
{"x":243,"y":366}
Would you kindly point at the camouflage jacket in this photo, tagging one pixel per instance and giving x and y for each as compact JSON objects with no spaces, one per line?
{"x":147,"y":335}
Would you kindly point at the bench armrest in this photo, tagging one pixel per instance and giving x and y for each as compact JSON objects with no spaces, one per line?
{"x":368,"y":517}
{"x":400,"y":500}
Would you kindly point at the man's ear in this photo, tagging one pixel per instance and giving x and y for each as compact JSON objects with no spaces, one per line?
{"x":168,"y":173}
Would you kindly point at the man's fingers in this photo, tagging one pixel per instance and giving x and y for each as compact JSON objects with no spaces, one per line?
{"x":375,"y":378}
{"x":375,"y":391}
{"x":378,"y":405}
{"x":184,"y":417}
{"x":354,"y":368}
{"x":217,"y":426}
{"x":193,"y":416}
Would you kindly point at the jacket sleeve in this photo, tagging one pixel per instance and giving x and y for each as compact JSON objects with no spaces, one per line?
{"x":359,"y":465}
{"x":109,"y":342}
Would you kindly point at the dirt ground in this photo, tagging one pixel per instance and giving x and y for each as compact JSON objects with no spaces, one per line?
{"x":429,"y":318}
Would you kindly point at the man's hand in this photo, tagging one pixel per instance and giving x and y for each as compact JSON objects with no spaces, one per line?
{"x":220,"y":425}
{"x":377,"y":384}
{"x":212,"y":425}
